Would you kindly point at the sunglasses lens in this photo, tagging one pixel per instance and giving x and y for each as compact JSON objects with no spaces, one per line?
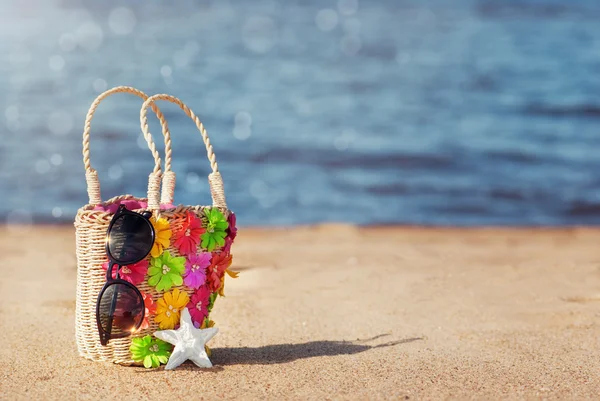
{"x":127,"y":307}
{"x":130,"y":238}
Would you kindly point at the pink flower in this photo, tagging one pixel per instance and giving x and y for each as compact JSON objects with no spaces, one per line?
{"x":195,"y":269}
{"x":188,"y":237}
{"x":198,"y":305}
{"x":150,"y":310}
{"x":135,"y":273}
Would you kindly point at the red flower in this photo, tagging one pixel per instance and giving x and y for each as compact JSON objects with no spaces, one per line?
{"x":150,"y":310}
{"x":135,"y":273}
{"x":227,"y":246}
{"x":188,"y":237}
{"x":214,"y":273}
{"x":198,"y":306}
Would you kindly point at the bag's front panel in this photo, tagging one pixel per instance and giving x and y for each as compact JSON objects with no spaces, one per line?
{"x":186,"y":268}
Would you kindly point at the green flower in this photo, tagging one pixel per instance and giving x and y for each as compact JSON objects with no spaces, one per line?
{"x":165,"y":271}
{"x":151,"y":351}
{"x":215,"y":229}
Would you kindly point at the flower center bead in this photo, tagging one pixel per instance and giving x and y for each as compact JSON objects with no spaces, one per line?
{"x":188,"y":232}
{"x":166,"y":269}
{"x":215,"y":269}
{"x":153,"y":348}
{"x":199,"y":306}
{"x":125,"y":270}
{"x":168,"y":314}
{"x":195,"y":267}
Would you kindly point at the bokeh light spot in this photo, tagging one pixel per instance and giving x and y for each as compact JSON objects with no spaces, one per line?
{"x":99,"y":85}
{"x":56,"y":159}
{"x":242,"y":133}
{"x":89,"y":35}
{"x":243,"y":121}
{"x":195,"y":183}
{"x":67,"y":42}
{"x":326,"y":19}
{"x":57,"y":212}
{"x":350,"y":45}
{"x":121,"y":21}
{"x":166,"y":71}
{"x":115,"y":172}
{"x":60,"y":122}
{"x":347,"y":7}
{"x":259,"y":34}
{"x":56,"y":63}
{"x":258,"y":189}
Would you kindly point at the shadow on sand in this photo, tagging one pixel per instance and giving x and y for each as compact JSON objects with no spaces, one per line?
{"x":282,"y":353}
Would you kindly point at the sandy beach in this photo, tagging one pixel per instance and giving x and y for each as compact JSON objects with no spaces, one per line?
{"x":337,"y":312}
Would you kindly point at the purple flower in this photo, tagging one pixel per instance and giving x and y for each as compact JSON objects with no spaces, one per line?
{"x":195,"y":269}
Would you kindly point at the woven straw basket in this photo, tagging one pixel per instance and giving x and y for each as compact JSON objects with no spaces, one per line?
{"x":92,"y":222}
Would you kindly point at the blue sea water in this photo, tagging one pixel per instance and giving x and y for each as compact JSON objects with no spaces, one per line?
{"x":379,"y":111}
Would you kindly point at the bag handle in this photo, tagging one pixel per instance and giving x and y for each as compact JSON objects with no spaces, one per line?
{"x":91,"y":175}
{"x":168,"y":186}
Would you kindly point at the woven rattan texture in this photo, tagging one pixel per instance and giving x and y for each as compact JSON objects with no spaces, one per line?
{"x":91,"y":226}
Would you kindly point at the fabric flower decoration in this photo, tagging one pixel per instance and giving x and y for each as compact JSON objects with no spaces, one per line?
{"x":162,"y":239}
{"x":195,"y":269}
{"x":227,"y":247}
{"x":134,"y":274}
{"x":188,"y":238}
{"x":215,"y":229}
{"x":198,"y":305}
{"x":165,"y":271}
{"x":169,"y":308}
{"x":232,"y":229}
{"x":150,"y":310}
{"x":219,"y":263}
{"x":151,"y":351}
{"x":231,"y":233}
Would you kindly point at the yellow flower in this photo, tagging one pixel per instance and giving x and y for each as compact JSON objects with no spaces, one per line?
{"x":169,"y":307}
{"x":231,"y":274}
{"x":162,"y":238}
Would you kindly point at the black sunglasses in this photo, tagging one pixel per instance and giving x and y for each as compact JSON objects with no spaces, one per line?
{"x":120,"y":307}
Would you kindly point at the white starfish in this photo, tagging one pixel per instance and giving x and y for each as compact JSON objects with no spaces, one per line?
{"x":188,"y":341}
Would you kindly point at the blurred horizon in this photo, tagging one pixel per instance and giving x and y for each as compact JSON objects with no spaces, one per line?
{"x":466,"y":113}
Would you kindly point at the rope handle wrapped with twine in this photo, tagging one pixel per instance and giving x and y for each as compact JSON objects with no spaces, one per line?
{"x":168,"y":185}
{"x":91,"y":175}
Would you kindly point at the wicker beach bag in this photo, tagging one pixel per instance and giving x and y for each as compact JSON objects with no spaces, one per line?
{"x":192,"y":246}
